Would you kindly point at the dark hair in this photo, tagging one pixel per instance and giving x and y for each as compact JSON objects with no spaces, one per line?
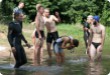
{"x":16,"y":14}
{"x":76,"y":42}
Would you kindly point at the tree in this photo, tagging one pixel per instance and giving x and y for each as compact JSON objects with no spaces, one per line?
{"x":70,"y":10}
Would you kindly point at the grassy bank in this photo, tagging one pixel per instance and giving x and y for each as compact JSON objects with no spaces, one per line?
{"x":64,"y":29}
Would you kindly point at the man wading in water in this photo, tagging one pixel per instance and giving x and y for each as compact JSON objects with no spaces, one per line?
{"x":96,"y":40}
{"x":14,"y":37}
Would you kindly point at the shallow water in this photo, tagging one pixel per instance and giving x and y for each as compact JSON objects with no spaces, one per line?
{"x":77,"y":66}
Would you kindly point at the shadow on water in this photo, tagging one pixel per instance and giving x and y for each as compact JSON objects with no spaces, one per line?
{"x":77,"y":66}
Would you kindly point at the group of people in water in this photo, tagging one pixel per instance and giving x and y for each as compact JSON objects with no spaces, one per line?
{"x":94,"y":35}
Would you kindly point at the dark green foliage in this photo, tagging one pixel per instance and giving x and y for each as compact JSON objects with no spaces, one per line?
{"x":71,"y":10}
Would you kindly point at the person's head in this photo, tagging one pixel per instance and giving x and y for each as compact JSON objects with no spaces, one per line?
{"x":46,"y":12}
{"x":90,"y":19}
{"x":21,"y":5}
{"x":96,"y":20}
{"x":75,"y":42}
{"x":18,"y":16}
{"x":84,"y":17}
{"x":40,"y":8}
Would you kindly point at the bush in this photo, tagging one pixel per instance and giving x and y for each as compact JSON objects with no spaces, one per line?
{"x":70,"y":10}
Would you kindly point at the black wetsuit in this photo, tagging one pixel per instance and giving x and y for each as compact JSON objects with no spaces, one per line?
{"x":86,"y":32}
{"x":14,"y":37}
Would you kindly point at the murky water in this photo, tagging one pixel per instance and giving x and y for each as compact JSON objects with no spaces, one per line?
{"x":77,"y":66}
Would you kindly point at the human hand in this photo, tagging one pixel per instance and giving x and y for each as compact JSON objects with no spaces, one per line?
{"x":28,"y":45}
{"x":100,"y":49}
{"x":56,"y":13}
{"x":88,"y":49}
{"x":13,"y":49}
{"x":40,"y":38}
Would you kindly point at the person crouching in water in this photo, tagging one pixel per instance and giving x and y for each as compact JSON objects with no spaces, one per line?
{"x":65,"y":42}
{"x":14,"y":37}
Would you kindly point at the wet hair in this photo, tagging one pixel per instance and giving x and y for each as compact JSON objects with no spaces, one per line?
{"x":16,"y":14}
{"x":76,"y":42}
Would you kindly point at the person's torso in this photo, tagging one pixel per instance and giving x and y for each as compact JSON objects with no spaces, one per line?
{"x":60,"y":40}
{"x":18,"y":10}
{"x":50,"y":24}
{"x":97,"y":33}
{"x":41,"y":22}
{"x":16,"y":29}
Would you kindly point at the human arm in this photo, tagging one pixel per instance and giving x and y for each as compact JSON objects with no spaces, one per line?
{"x":90,"y":40}
{"x":56,"y":18}
{"x":38,"y":27}
{"x":9,"y":36}
{"x":103,"y":38}
{"x":64,"y":43}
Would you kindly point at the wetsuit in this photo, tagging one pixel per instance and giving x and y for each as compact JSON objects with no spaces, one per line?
{"x":86,"y":32}
{"x":14,"y":37}
{"x":17,"y":9}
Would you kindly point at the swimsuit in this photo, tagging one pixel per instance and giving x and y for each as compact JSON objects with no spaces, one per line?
{"x":96,"y":45}
{"x":52,"y":36}
{"x":14,"y":38}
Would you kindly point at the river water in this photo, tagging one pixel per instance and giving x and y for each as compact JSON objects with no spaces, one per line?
{"x":77,"y":66}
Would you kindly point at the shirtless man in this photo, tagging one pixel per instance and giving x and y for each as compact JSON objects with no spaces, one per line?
{"x":51,"y":29}
{"x":96,"y":40}
{"x":39,"y":34}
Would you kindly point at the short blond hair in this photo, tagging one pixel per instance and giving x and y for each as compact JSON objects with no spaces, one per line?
{"x":90,"y":16}
{"x":38,"y":6}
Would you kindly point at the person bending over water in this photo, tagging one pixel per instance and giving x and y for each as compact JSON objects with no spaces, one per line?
{"x":96,"y":40}
{"x":65,"y":42}
{"x":14,"y":37}
{"x":52,"y":34}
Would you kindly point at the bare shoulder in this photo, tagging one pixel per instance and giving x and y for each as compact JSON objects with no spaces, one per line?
{"x":102,"y":27}
{"x":52,"y":16}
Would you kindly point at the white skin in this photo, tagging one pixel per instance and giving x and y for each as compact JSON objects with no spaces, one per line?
{"x":90,"y":19}
{"x":97,"y":35}
{"x":38,"y":51}
{"x":94,"y":68}
{"x":60,"y":57}
{"x":50,"y":26}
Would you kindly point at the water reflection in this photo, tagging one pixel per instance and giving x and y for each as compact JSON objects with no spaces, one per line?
{"x":41,"y":73}
{"x":95,"y":68}
{"x":16,"y":72}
